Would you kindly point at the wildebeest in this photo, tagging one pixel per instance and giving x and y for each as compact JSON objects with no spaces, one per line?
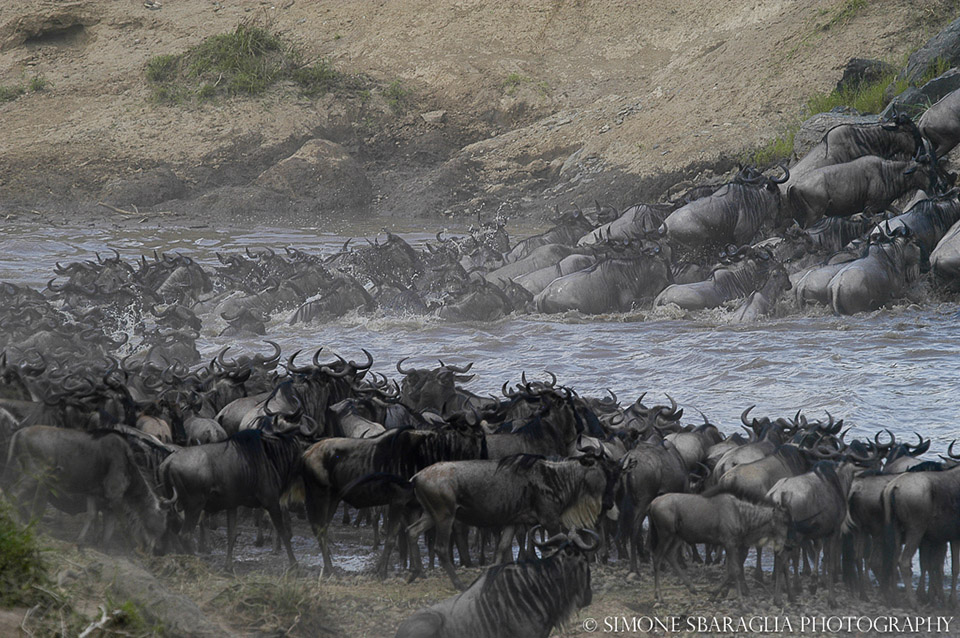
{"x":750,"y":272}
{"x":570,"y":227}
{"x":249,"y":469}
{"x":917,"y":507}
{"x":65,"y":466}
{"x":928,"y":221}
{"x":868,"y":184}
{"x":884,"y":271}
{"x":722,"y":519}
{"x":647,"y":471}
{"x":614,"y":284}
{"x":731,"y":215}
{"x":941,"y":123}
{"x":520,"y":490}
{"x":897,"y":139}
{"x":333,"y":468}
{"x":527,"y":598}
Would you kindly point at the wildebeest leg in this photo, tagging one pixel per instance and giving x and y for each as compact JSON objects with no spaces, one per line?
{"x":735,"y":559}
{"x":424,"y":523}
{"x":954,"y":563}
{"x":191,"y":516}
{"x":109,"y":525}
{"x":504,"y":551}
{"x":461,"y":538}
{"x":911,"y":543}
{"x":91,"y":519}
{"x":231,"y":534}
{"x":659,"y":553}
{"x":758,"y":574}
{"x":671,"y":552}
{"x":276,"y":515}
{"x":258,"y":523}
{"x":741,"y":575}
{"x":285,"y":514}
{"x":394,"y":519}
{"x":444,"y":530}
{"x":346,"y":515}
{"x":321,"y":508}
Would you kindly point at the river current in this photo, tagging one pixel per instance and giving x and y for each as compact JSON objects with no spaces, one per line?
{"x":895,"y":368}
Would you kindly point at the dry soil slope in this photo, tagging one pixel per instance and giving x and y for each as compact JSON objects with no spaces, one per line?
{"x":568,"y":99}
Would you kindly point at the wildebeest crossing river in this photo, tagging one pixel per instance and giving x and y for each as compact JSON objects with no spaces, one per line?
{"x":895,"y":368}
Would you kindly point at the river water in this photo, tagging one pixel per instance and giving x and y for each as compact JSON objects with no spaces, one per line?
{"x":896,"y":368}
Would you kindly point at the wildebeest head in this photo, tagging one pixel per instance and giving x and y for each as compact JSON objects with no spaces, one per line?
{"x":431,"y":389}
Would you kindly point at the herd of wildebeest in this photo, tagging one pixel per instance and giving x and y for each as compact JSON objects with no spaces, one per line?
{"x":106,"y":409}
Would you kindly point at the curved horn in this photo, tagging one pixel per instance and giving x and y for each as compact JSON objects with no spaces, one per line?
{"x":583,"y":545}
{"x":400,"y":367}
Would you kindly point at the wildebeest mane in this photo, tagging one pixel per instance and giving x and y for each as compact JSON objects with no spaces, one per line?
{"x":260,"y":452}
{"x":520,"y":462}
{"x":536,"y":589}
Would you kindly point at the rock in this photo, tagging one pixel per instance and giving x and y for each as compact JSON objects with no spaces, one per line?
{"x":812,"y":131}
{"x":943,"y":46}
{"x":322,"y":171}
{"x":144,"y":189}
{"x":914,"y":101}
{"x":64,"y":24}
{"x":434,"y":117}
{"x":863,"y":71}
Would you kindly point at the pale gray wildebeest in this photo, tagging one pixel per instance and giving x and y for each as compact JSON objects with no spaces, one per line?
{"x":919,"y":507}
{"x":733,"y":214}
{"x":570,"y":227}
{"x":635,"y":222}
{"x":928,"y":221}
{"x":867,"y":184}
{"x":541,"y":257}
{"x":66,"y":467}
{"x":647,"y":471}
{"x":897,"y":139}
{"x":613,"y":284}
{"x":749,"y":272}
{"x":833,"y":233}
{"x":723,"y":519}
{"x":945,"y":258}
{"x":521,"y":490}
{"x":813,"y":284}
{"x":763,"y":302}
{"x":817,"y":503}
{"x":249,"y":469}
{"x":525,"y":599}
{"x":941,"y":123}
{"x":537,"y":280}
{"x":882,"y":274}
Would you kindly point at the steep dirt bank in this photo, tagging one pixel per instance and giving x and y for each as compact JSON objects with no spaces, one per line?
{"x":504,"y":106}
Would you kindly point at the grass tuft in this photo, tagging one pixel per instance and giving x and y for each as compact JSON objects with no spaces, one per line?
{"x":247,"y":62}
{"x":21,"y":567}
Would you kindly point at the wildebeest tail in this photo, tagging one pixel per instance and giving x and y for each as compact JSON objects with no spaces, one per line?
{"x":384,"y":480}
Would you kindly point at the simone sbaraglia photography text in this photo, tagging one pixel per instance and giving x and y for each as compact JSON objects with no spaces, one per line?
{"x":771,"y":624}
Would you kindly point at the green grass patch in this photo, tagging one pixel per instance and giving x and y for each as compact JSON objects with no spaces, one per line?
{"x":21,"y":567}
{"x":867,"y":97}
{"x":396,"y":96}
{"x":774,"y":151}
{"x":244,"y":62}
{"x":847,"y":11}
{"x":10,"y":93}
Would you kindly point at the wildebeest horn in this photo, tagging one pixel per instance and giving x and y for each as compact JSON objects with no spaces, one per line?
{"x":553,"y":541}
{"x":400,"y":367}
{"x":786,"y":174}
{"x":893,"y":439}
{"x":292,"y":368}
{"x":506,"y":392}
{"x":583,"y":545}
{"x":458,"y":369}
{"x":950,"y":451}
{"x":365,"y":366}
{"x":221,"y":362}
{"x":743,"y":416}
{"x":261,"y":359}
